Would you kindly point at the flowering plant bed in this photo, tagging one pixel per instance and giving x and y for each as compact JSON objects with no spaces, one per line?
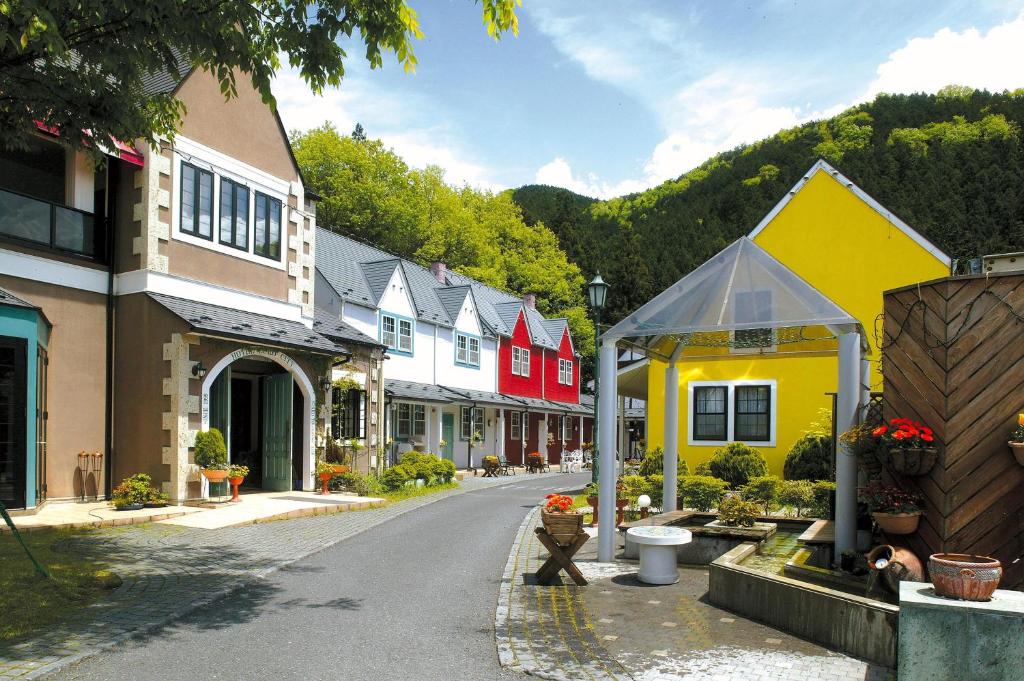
{"x":908,"y":445}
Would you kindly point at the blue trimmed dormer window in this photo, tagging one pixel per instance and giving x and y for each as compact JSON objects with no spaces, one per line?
{"x":467,"y":350}
{"x":396,"y":333}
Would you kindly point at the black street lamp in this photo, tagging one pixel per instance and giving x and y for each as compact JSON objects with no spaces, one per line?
{"x":597,"y":293}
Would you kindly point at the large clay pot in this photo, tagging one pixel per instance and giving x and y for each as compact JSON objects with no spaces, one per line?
{"x":897,"y":523}
{"x":1018,"y":451}
{"x":325,"y":478}
{"x":895,"y":564}
{"x":966,"y":577}
{"x":563,"y":527}
{"x":913,"y":461}
{"x":235,"y":482}
{"x":215,"y":475}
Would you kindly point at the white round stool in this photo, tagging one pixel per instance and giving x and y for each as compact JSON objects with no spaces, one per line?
{"x":658,"y":552}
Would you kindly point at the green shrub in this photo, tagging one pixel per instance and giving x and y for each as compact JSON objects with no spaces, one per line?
{"x":655,"y":490}
{"x":395,"y":477}
{"x":633,"y":486}
{"x":809,"y":459}
{"x":358,"y":483}
{"x":135,"y":489}
{"x":703,"y":468}
{"x":819,"y":507}
{"x":763,"y":490}
{"x":737,"y":512}
{"x":421,"y":464}
{"x":797,"y":494}
{"x":210,"y":450}
{"x":701,"y":492}
{"x":653,"y":463}
{"x":444,"y":470}
{"x":736,"y":463}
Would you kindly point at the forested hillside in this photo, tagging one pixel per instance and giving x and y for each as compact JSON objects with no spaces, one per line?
{"x":949,"y":164}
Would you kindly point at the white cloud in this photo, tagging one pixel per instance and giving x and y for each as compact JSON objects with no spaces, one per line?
{"x":385,"y":116}
{"x":558,"y":173}
{"x":989,"y":60}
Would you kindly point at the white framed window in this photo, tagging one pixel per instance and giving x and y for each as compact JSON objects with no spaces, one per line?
{"x":471,"y":420}
{"x":411,"y":420}
{"x":520,"y":361}
{"x":467,"y":350}
{"x":732,"y":411}
{"x":396,"y":333}
{"x":565,"y":371}
{"x":516,"y":425}
{"x":567,"y":428}
{"x":419,"y":420}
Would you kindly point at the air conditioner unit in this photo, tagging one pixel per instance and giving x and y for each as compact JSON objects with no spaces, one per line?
{"x":1003,"y":262}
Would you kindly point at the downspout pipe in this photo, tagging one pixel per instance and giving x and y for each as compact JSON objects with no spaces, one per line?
{"x":109,"y":218}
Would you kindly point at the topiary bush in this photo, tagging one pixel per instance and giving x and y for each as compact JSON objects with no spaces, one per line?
{"x":736,"y":463}
{"x":737,"y":512}
{"x":764,"y":491}
{"x":796,"y":494}
{"x":395,"y":477}
{"x":701,"y":492}
{"x":809,"y":459}
{"x":653,"y":463}
{"x":421,"y":464}
{"x":210,"y":450}
{"x":821,"y":504}
{"x":444,"y":470}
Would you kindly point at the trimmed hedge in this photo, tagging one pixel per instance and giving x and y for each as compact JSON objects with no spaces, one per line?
{"x":809,"y":459}
{"x":736,"y":463}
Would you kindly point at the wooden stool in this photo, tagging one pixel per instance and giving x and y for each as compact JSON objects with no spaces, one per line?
{"x":560,"y":558}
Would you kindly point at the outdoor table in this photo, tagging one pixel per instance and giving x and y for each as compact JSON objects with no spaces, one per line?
{"x":657,"y":546}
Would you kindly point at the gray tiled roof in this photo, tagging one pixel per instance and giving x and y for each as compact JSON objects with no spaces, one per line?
{"x":231,"y":323}
{"x":378,"y":274}
{"x":481,"y":396}
{"x":343,"y":260}
{"x":451,"y":300}
{"x":8,"y":298}
{"x":408,"y":390}
{"x":332,"y":327}
{"x":162,"y":82}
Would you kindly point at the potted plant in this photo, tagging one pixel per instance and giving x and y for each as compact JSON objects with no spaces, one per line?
{"x":592,"y":491}
{"x":337,"y":456}
{"x":561,"y":520}
{"x":895,"y":511}
{"x":1017,"y":440}
{"x":490,"y":465}
{"x":236,"y":474}
{"x":910,"y":446}
{"x":966,"y":577}
{"x":211,"y":455}
{"x":324,"y":471}
{"x":156,"y":498}
{"x":132,"y":493}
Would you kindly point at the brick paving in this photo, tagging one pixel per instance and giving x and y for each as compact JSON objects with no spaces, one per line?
{"x":619,"y":628}
{"x":169,"y":571}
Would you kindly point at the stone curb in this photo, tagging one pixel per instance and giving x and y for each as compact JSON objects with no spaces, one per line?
{"x":211,"y":596}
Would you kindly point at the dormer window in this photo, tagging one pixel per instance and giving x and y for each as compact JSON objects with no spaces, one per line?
{"x":565,"y":371}
{"x":467,"y":350}
{"x":520,"y":361}
{"x":396,"y":333}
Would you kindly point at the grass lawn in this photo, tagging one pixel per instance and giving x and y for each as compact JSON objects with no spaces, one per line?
{"x":30,"y":602}
{"x":413,"y":491}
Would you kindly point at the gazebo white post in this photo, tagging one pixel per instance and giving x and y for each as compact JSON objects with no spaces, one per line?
{"x":865,"y":389}
{"x":606,"y":437}
{"x":846,"y":463}
{"x":671,"y":457}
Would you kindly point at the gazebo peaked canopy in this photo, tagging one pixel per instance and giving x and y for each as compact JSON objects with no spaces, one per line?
{"x":742,"y":287}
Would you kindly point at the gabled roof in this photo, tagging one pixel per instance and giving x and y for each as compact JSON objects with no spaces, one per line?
{"x":342,"y":262}
{"x":247,"y":326}
{"x":328,"y":325}
{"x":378,"y":276}
{"x":823,"y":167}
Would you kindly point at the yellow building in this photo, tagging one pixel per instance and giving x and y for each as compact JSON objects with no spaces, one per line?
{"x":763,"y":387}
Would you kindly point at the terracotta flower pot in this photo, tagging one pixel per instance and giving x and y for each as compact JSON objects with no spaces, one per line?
{"x":895,"y":564}
{"x":339,"y":468}
{"x":235,"y":482}
{"x":325,"y":479}
{"x":1018,"y":451}
{"x":897,"y":523}
{"x":215,"y":475}
{"x":966,"y":577}
{"x":913,"y":461}
{"x":563,"y":527}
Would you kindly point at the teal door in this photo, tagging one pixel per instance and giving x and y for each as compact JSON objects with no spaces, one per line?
{"x":448,"y":435}
{"x":277,"y":432}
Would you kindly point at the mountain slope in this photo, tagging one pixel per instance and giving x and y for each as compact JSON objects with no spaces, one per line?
{"x":950,"y":165}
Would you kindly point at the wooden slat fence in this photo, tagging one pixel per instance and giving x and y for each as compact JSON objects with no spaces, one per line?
{"x":953,"y":358}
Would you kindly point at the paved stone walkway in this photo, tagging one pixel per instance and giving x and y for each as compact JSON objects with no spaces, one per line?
{"x":169,"y":571}
{"x":618,"y":628}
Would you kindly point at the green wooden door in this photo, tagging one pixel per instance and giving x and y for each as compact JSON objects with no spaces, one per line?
{"x":220,"y":418}
{"x":277,"y":432}
{"x":448,"y":435}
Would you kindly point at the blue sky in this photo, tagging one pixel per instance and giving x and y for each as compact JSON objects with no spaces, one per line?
{"x":607,"y":97}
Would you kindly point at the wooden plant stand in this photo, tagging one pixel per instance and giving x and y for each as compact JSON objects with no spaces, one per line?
{"x":560,"y":558}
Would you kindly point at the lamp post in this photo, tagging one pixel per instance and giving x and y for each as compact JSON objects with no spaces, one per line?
{"x":597,"y":292}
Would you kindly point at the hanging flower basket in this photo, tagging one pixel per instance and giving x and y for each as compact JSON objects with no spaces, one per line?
{"x":1018,"y":451}
{"x":906,"y":446}
{"x":966,"y":577}
{"x":897,"y":523}
{"x":913,"y":461}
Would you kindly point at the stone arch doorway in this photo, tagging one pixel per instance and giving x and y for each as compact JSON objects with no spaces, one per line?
{"x":264,"y":403}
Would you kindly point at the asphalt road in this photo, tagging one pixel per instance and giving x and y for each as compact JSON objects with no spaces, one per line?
{"x":411,"y":599}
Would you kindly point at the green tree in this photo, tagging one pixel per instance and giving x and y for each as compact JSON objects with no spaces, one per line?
{"x":81,"y":65}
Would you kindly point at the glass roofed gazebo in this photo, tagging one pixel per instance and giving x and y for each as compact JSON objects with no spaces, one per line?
{"x":739,"y":296}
